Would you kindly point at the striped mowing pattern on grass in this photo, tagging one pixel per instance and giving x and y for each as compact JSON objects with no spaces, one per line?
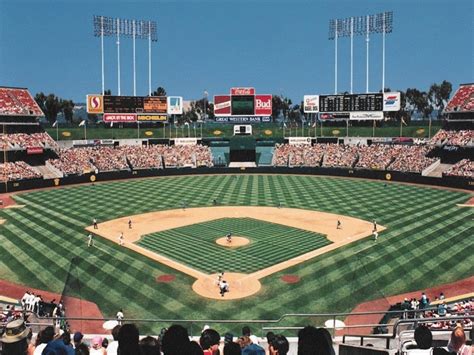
{"x":428,"y":242}
{"x":195,"y":245}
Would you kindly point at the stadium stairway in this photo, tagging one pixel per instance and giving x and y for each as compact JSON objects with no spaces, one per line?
{"x":49,"y":172}
{"x":438,"y":171}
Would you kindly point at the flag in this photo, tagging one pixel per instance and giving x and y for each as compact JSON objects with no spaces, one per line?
{"x":111,"y":124}
{"x":83,"y":122}
{"x":186,"y":123}
{"x":55,"y":123}
{"x":314,"y":124}
{"x":403,"y":121}
{"x":284,"y":124}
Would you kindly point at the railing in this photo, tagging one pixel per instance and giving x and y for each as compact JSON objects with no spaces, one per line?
{"x":275,"y":324}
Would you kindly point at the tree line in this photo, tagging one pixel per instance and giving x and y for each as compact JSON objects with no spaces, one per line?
{"x":412,"y":101}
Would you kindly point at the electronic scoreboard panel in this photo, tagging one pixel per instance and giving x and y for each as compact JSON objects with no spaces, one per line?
{"x":243,"y":105}
{"x":135,"y":104}
{"x":351,"y":103}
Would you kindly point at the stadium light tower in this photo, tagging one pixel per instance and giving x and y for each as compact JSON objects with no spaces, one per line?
{"x":108,"y":26}
{"x":361,"y":25}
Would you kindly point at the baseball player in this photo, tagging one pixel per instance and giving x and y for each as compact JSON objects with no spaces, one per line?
{"x":90,"y":241}
{"x":339,"y":224}
{"x":94,"y":222}
{"x":121,"y":239}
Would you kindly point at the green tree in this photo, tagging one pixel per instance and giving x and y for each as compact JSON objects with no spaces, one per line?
{"x":160,"y":91}
{"x":67,"y":106}
{"x":108,"y":92}
{"x":438,"y":95}
{"x":40,"y":99}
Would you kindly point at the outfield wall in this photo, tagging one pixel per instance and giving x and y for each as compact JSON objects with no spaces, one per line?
{"x":453,"y":182}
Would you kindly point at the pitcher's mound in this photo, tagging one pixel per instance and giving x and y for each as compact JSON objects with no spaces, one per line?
{"x":240,"y":286}
{"x":236,"y":242}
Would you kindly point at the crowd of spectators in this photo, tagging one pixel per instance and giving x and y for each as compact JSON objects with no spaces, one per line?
{"x":25,"y":141}
{"x":404,"y":158}
{"x":72,"y":161}
{"x":298,"y":155}
{"x":412,"y":159}
{"x":19,"y":170}
{"x":18,"y":339}
{"x":15,"y":101}
{"x":83,"y":160}
{"x":377,"y":156}
{"x":463,"y":168}
{"x":340,"y":156}
{"x":463,"y":99}
{"x":458,"y":138}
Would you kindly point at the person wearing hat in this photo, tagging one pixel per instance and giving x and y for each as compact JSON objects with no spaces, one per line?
{"x":77,"y":339}
{"x":96,"y":346}
{"x":14,"y":339}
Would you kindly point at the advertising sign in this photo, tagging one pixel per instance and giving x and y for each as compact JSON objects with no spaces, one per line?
{"x":185,"y":141}
{"x":263,"y":105}
{"x":34,"y":150}
{"x":95,"y":104}
{"x":311,"y":103}
{"x":242,"y":91}
{"x":222,"y":105}
{"x":119,"y":117}
{"x":155,"y":104}
{"x":299,"y":140}
{"x":391,"y":101}
{"x":243,"y":119}
{"x":153,"y":118}
{"x":366,"y":115}
{"x":175,"y":105}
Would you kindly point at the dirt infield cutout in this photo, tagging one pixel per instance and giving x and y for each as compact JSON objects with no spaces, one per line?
{"x":241,"y":285}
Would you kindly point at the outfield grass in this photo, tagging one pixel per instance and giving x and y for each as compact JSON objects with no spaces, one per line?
{"x":428,"y":242}
{"x":268,"y":130}
{"x":270,"y":244}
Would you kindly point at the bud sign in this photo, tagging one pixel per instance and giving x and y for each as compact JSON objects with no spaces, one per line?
{"x":263,"y":105}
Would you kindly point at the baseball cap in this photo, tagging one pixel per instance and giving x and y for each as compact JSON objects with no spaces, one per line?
{"x":97,"y":340}
{"x":78,"y":337}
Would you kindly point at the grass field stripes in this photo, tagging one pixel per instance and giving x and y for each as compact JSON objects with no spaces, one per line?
{"x":195,"y":245}
{"x":428,"y":242}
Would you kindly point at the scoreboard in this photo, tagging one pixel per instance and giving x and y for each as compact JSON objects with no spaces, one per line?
{"x":135,"y":104}
{"x":351,"y":103}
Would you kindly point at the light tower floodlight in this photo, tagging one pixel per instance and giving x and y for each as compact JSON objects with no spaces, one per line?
{"x":361,"y":25}
{"x":141,"y":29}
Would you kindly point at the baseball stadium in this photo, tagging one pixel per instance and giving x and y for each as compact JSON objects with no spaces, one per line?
{"x":342,"y":215}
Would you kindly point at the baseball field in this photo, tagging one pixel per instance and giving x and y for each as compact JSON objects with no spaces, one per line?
{"x":428,"y":240}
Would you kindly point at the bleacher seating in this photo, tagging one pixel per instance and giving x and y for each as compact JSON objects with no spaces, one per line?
{"x":17,"y":101}
{"x":464,"y":168}
{"x":458,"y":138}
{"x":463,"y":99}
{"x":18,"y":170}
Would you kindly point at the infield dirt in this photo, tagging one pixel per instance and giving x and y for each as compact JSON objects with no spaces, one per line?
{"x":241,"y":285}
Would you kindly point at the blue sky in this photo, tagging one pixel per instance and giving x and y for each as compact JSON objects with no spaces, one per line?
{"x":278,"y":47}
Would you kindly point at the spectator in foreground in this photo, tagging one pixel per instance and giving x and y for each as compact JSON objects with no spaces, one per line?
{"x":128,"y":340}
{"x":423,"y":337}
{"x":149,"y":346}
{"x":279,"y":345}
{"x":232,"y":348}
{"x":209,"y":342}
{"x":175,"y":341}
{"x":82,"y":349}
{"x":312,"y":341}
{"x":457,"y":343}
{"x":14,"y":340}
{"x":44,"y":337}
{"x":113,"y":346}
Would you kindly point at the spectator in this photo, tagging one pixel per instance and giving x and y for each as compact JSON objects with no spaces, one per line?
{"x":278,"y":345}
{"x":232,"y":348}
{"x":175,"y":341}
{"x":128,"y":340}
{"x":14,"y":339}
{"x":44,"y":336}
{"x":82,"y":349}
{"x":96,"y":346}
{"x":312,"y":341}
{"x":113,"y":346}
{"x":423,"y":337}
{"x":209,"y":341}
{"x":457,"y":343}
{"x":149,"y":346}
{"x":77,"y":339}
